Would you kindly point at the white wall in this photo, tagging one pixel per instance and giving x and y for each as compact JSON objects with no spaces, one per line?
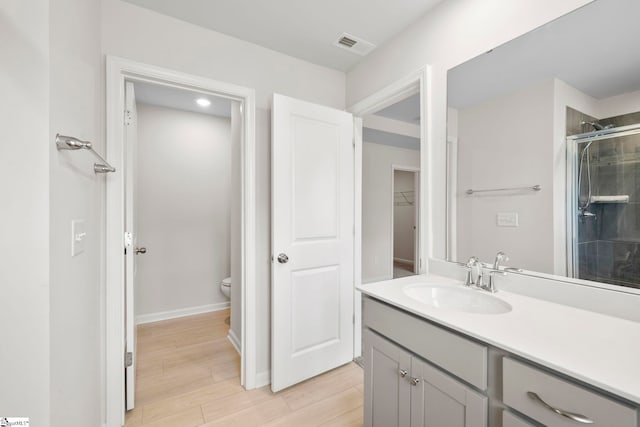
{"x":619,"y":105}
{"x":76,"y":108}
{"x":453,"y":32}
{"x":507,"y":142}
{"x":51,"y":81}
{"x":377,"y":247}
{"x":183,"y":209}
{"x":24,"y":216}
{"x":404,"y":217}
{"x":142,"y":35}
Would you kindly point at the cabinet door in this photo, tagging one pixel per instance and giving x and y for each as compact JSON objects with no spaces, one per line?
{"x":438,"y":400}
{"x":387,"y":392}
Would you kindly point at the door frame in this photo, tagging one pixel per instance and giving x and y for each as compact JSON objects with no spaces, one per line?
{"x":119,"y":70}
{"x":416,"y":187}
{"x":419,"y":81}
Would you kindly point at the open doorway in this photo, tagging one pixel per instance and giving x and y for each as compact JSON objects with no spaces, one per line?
{"x":392,"y":121}
{"x":182,"y":178}
{"x":390,"y":200}
{"x":184,"y":201}
{"x":406,"y":182}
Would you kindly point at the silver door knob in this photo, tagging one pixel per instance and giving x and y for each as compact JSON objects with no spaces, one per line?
{"x":403,"y":373}
{"x":141,"y":251}
{"x":415,"y":381}
{"x":283,"y":258}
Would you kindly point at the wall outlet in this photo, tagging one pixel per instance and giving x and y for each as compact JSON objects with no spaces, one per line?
{"x":507,"y":219}
{"x":78,"y":236}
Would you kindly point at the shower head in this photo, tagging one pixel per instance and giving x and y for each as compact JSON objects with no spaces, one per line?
{"x":597,"y":126}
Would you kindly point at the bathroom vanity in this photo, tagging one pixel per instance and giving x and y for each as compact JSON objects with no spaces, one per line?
{"x":439,"y":354}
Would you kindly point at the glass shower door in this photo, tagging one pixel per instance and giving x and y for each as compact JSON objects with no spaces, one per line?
{"x":607,"y":208}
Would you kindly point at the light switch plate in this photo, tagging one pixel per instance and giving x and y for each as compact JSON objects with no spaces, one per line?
{"x":78,"y":236}
{"x":507,"y":219}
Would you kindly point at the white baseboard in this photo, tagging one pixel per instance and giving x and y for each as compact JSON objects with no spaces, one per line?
{"x":403,"y":261}
{"x":235,"y":342}
{"x":182,"y":312}
{"x":263,"y":379}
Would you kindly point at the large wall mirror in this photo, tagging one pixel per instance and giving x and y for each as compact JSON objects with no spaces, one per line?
{"x":544,"y":149}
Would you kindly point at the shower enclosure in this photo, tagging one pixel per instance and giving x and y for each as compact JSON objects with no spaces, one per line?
{"x":604,"y":205}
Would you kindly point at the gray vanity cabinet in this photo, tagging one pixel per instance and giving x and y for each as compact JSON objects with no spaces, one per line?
{"x":440,"y":401}
{"x":402,"y":390}
{"x":386,"y":383}
{"x":418,"y":374}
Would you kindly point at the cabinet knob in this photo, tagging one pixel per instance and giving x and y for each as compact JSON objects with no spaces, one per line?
{"x":403,"y":373}
{"x":415,"y":381}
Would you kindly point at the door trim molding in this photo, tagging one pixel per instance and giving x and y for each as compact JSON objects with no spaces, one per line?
{"x":419,"y":81}
{"x":119,"y":69}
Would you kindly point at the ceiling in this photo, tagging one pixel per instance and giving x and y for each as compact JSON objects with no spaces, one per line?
{"x":180,"y":99}
{"x":407,"y":110}
{"x":594,"y":49}
{"x":299,"y":28}
{"x":377,"y":136}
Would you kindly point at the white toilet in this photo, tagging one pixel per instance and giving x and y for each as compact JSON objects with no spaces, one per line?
{"x":225,"y":287}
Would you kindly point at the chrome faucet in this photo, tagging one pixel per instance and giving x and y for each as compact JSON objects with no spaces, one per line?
{"x":475,"y":273}
{"x":491,"y":286}
{"x":500,"y":256}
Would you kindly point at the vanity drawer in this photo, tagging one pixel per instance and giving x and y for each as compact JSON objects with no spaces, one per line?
{"x":461,"y":357}
{"x":511,"y":420}
{"x":520,"y":380}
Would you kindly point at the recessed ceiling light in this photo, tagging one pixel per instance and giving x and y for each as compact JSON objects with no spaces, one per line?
{"x":203,"y":102}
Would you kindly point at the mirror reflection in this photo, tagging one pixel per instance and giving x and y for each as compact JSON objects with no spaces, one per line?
{"x":544,"y":149}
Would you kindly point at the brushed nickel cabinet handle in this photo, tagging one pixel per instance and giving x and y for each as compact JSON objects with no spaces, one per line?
{"x":403,"y":373}
{"x":572,"y":416}
{"x":415,"y":381}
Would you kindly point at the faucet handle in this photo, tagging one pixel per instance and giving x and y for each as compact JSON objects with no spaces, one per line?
{"x":473,"y":263}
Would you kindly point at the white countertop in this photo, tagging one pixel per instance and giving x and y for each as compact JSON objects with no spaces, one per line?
{"x":600,"y":350}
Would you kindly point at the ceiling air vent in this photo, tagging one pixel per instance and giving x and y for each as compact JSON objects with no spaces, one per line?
{"x":354,"y":44}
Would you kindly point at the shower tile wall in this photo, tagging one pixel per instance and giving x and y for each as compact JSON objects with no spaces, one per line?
{"x":609,"y":244}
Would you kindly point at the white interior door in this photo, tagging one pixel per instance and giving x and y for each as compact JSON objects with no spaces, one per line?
{"x":312,"y":240}
{"x":131,"y":134}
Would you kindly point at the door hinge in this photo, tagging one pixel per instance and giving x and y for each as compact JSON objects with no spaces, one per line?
{"x":128,"y":239}
{"x":128,"y":359}
{"x":128,"y":118}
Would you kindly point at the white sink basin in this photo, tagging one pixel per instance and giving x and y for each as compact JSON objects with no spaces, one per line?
{"x":457,"y":298}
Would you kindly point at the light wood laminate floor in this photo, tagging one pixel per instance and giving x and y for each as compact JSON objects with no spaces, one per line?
{"x":188,"y":374}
